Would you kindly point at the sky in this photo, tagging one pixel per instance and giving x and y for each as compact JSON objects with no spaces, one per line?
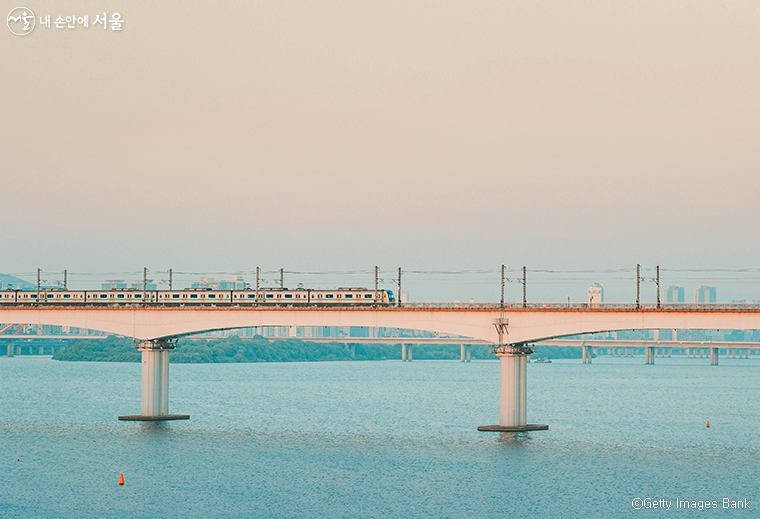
{"x":331,"y":136}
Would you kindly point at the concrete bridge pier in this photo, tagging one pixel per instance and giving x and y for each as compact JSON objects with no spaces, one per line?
{"x":155,"y":383}
{"x":468,"y":350}
{"x":10,"y":350}
{"x":586,"y":354}
{"x":649,"y":353}
{"x":714,"y":355}
{"x":461,"y":353}
{"x":513,"y":395}
{"x":403,"y":353}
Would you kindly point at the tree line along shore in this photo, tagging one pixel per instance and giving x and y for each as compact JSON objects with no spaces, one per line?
{"x":261,"y":349}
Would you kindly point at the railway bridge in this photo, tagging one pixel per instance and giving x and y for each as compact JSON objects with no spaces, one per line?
{"x":509,"y":327}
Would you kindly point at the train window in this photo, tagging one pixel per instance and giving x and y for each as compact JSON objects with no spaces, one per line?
{"x":250,"y":296}
{"x":120,"y":296}
{"x":270,"y":296}
{"x":66,"y":296}
{"x":212,"y":296}
{"x":288,"y":296}
{"x":329,"y":296}
{"x":193,"y":296}
{"x":367,"y":296}
{"x":103,"y":296}
{"x":349,"y":296}
{"x":175,"y":296}
{"x":138,"y":296}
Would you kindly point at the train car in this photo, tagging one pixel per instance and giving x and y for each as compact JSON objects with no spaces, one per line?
{"x":194,"y":296}
{"x":62,"y":297}
{"x":348,"y":296}
{"x":199,"y":297}
{"x":8,"y":297}
{"x":47,"y":296}
{"x":27,"y":297}
{"x":119,"y":296}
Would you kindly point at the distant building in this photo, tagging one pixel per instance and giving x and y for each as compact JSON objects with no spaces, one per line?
{"x":705,"y":294}
{"x":233,"y":283}
{"x":204,"y":283}
{"x":674,"y":295}
{"x":595,"y":294}
{"x":138,"y":285}
{"x":114,"y":284}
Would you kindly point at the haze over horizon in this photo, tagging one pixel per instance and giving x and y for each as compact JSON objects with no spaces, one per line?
{"x":339,"y":136}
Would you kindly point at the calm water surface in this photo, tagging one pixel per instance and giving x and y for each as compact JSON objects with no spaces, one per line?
{"x":378,"y":439}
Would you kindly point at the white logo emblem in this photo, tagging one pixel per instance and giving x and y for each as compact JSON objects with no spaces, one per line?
{"x":21,"y":21}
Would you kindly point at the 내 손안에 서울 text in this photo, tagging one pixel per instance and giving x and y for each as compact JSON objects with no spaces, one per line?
{"x":650,"y":503}
{"x":22,"y":21}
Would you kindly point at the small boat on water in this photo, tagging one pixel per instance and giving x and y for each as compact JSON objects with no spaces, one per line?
{"x":542,"y":360}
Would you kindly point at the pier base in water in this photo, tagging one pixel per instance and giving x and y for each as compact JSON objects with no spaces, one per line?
{"x":514,"y":428}
{"x":513,"y":390}
{"x":155,"y":383}
{"x":140,"y":418}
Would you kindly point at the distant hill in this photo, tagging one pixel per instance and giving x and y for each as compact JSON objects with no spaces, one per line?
{"x":9,"y":281}
{"x":260,"y":349}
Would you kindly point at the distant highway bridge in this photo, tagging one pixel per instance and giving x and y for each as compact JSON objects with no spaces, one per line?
{"x":510,"y":328}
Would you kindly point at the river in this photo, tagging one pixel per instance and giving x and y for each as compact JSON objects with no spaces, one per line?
{"x":379,"y":439}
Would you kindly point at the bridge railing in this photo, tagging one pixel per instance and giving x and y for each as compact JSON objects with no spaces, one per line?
{"x":595,"y":306}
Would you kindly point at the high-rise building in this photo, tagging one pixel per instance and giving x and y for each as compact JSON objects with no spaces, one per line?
{"x":595,"y":294}
{"x":674,"y":295}
{"x":705,"y":294}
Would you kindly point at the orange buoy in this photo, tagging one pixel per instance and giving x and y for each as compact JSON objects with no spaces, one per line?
{"x":18,"y":459}
{"x":121,"y":479}
{"x":708,"y":423}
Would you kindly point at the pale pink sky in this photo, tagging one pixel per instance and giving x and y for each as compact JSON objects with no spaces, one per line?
{"x":222,"y":135}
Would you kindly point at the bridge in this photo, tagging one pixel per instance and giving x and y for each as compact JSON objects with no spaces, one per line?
{"x":509,"y":327}
{"x":692,"y":348}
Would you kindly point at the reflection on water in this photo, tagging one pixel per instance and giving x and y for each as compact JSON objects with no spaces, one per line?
{"x":374,"y":439}
{"x":513,"y":439}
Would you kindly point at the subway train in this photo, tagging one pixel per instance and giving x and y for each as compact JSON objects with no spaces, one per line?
{"x":200,"y":297}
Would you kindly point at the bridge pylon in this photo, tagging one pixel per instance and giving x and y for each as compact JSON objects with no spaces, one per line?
{"x":513,"y":390}
{"x":155,"y":383}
